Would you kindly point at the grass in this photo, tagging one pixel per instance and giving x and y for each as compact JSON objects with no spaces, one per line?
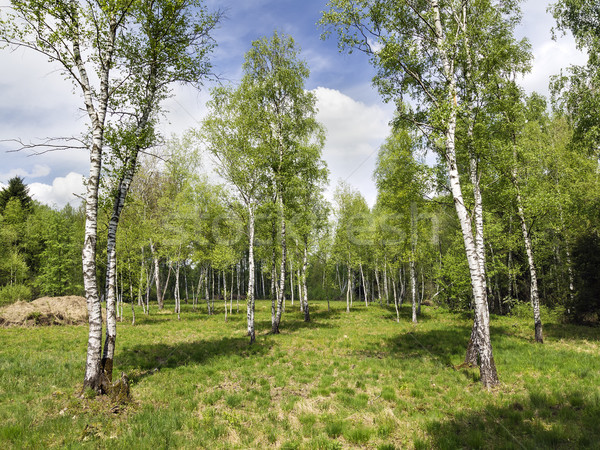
{"x":342,"y":381}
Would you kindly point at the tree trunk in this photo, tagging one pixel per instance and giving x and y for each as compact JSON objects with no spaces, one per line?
{"x":250,"y":296}
{"x":177,"y":292}
{"x":274,"y":291}
{"x":535,"y":299}
{"x":93,"y":371}
{"x":225,"y":293}
{"x":385,"y":282}
{"x":281,"y":293}
{"x":396,"y":300}
{"x":348,"y":291}
{"x":487,"y":366}
{"x":402,"y":286}
{"x":111,"y":307}
{"x":159,"y":297}
{"x":377,"y":281}
{"x":206,"y":293}
{"x":304,"y":288}
{"x":292,"y":281}
{"x":413,"y":287}
{"x":364,"y":285}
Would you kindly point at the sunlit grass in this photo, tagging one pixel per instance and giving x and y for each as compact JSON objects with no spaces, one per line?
{"x":341,"y":381}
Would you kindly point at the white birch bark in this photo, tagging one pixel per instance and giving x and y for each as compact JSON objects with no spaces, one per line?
{"x":487,"y":366}
{"x":396,"y":300}
{"x":304,"y":288}
{"x":377,"y":281}
{"x":348,"y":291}
{"x":385,"y":282}
{"x":250,"y":296}
{"x":177,"y":292}
{"x":362,"y":275}
{"x":93,"y":378}
{"x":535,"y":298}
{"x":413,"y":287}
{"x":225,"y":293}
{"x":281,"y":292}
{"x":159,"y":297}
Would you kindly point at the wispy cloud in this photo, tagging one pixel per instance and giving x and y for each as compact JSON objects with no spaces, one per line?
{"x":38,"y":171}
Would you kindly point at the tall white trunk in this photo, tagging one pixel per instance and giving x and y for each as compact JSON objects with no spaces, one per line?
{"x":385,"y":282}
{"x":362,"y":275}
{"x":159,"y":297}
{"x":111,"y":267}
{"x":396,"y":300}
{"x":304,"y":288}
{"x":487,"y":366}
{"x":281,"y":292}
{"x":177,"y":292}
{"x":292,"y":281}
{"x":225,"y":293}
{"x":413,"y":287}
{"x":92,"y":378}
{"x":535,"y":298}
{"x":250,"y":296}
{"x":348,"y":290}
{"x":377,"y":281}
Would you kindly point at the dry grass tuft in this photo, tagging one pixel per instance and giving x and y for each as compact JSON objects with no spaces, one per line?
{"x":68,"y":310}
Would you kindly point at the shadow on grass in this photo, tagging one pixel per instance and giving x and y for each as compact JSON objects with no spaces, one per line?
{"x":539,"y":420}
{"x":445,"y":346}
{"x":571,"y":332}
{"x":144,"y":360}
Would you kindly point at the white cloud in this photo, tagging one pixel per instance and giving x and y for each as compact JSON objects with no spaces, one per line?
{"x":38,"y":171}
{"x":549,"y":58}
{"x":355,"y":131}
{"x":62,"y":191}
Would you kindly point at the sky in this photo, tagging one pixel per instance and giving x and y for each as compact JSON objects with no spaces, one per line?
{"x":36,"y":101}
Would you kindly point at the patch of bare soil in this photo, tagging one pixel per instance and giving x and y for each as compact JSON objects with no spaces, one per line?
{"x":68,"y":310}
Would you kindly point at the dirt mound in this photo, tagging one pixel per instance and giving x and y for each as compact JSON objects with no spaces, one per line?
{"x":45,"y":311}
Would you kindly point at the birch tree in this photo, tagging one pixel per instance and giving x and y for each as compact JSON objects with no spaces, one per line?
{"x":231,"y":135}
{"x":82,"y":40}
{"x":402,"y":183}
{"x":88,"y":42}
{"x":423,"y":50}
{"x":290,"y":133}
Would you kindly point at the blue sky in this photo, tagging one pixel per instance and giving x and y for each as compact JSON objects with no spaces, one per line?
{"x":36,"y":102}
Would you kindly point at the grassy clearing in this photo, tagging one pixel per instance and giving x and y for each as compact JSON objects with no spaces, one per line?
{"x":342,"y":381}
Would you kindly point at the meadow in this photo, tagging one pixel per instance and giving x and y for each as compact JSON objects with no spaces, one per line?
{"x":344,"y":380}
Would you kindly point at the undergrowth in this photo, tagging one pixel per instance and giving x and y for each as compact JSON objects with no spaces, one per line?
{"x":357,"y":380}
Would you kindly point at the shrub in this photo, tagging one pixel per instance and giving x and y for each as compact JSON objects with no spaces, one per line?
{"x":12,"y":293}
